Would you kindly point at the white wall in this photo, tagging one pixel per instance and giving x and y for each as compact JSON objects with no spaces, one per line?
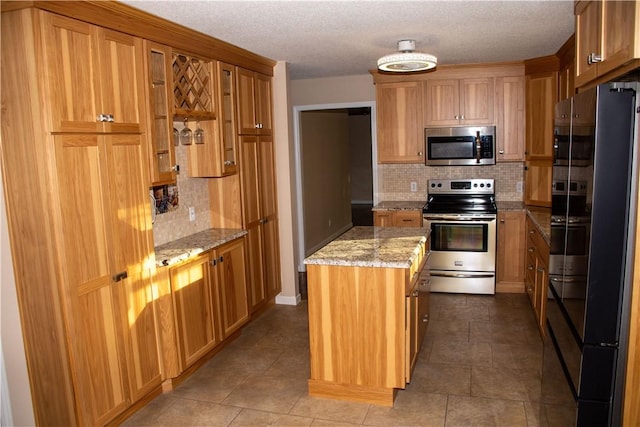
{"x":17,"y":408}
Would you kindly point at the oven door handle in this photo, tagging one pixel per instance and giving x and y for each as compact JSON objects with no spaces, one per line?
{"x":458,"y":218}
{"x":462,"y":275}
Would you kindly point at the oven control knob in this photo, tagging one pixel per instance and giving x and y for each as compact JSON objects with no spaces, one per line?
{"x":481,"y":185}
{"x":433,"y":185}
{"x":475,"y":185}
{"x":439,"y":184}
{"x":488,"y":185}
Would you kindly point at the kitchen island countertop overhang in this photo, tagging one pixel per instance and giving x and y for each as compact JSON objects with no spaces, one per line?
{"x":388,"y":247}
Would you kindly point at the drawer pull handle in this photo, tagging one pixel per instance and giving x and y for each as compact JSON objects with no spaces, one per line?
{"x":120,"y":276}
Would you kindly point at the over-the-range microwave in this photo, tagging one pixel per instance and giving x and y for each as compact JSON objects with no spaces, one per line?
{"x":460,"y":146}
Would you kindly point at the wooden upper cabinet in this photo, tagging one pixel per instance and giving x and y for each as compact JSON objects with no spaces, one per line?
{"x":454,"y":102}
{"x":399,"y":122}
{"x":254,"y":103}
{"x":541,"y":97}
{"x":95,"y":77}
{"x":510,"y":123}
{"x":607,"y":37}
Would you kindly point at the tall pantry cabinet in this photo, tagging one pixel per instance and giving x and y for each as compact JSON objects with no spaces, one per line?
{"x":76,"y":174}
{"x":257,"y":172}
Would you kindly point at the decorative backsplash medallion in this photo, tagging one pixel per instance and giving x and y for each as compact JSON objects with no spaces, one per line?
{"x":166,"y":198}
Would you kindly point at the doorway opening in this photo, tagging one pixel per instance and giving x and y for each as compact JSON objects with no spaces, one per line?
{"x":335,"y":170}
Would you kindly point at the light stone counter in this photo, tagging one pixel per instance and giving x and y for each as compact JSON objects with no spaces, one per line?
{"x":398,"y":206}
{"x":394,"y":247}
{"x":189,"y":246}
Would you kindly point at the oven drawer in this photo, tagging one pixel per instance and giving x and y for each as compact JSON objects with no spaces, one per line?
{"x":464,"y":282}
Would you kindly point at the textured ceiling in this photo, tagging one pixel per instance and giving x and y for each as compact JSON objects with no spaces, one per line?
{"x":339,"y":38}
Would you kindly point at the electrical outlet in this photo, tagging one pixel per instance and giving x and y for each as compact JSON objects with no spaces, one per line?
{"x":192,"y":214}
{"x":414,"y":186}
{"x":519,"y":187}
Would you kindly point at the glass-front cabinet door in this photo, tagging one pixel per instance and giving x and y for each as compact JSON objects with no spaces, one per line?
{"x":160,"y":134}
{"x":227,"y":96}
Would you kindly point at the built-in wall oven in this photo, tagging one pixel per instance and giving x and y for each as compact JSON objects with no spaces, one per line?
{"x":461,"y":215}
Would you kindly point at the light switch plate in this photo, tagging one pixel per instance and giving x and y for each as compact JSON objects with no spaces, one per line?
{"x":192,"y":214}
{"x":414,"y":186}
{"x":519,"y":187}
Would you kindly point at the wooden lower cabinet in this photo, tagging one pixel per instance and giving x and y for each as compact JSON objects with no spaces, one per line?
{"x":365,"y":329}
{"x":537,"y":273}
{"x":210,"y":299}
{"x":510,"y":256}
{"x":397,"y":218}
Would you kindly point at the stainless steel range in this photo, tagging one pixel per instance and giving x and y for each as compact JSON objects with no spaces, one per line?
{"x":461,"y":214}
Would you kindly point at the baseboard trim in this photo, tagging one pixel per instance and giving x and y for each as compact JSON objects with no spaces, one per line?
{"x":288,"y":300}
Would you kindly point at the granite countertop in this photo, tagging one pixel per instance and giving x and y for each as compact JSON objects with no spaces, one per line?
{"x":187,"y":247}
{"x":541,"y":217}
{"x":390,"y":247}
{"x":398,"y":206}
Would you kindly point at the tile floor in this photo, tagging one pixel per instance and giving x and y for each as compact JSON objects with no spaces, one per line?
{"x":479,"y":366}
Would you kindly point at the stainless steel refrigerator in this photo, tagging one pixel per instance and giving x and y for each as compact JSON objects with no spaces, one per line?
{"x":594,"y":198}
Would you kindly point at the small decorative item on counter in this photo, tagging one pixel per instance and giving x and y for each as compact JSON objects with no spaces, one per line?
{"x":185,"y":134}
{"x":198,"y":135}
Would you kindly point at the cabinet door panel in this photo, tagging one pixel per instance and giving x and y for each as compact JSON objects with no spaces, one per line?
{"x":400,"y":134}
{"x":511,"y":247}
{"x":263,"y":103}
{"x":537,"y":176}
{"x":81,"y":162}
{"x":132,"y":233}
{"x":442,"y":102}
{"x":271,"y":256}
{"x":191,"y":288}
{"x":268,"y":201}
{"x":510,"y":124}
{"x":250,"y":179}
{"x":121,"y":81}
{"x":476,"y":101}
{"x":619,"y":23}
{"x":541,"y":94}
{"x":588,"y":34}
{"x":246,"y":102}
{"x":72,"y":73}
{"x":233,"y":289}
{"x":255,"y":279}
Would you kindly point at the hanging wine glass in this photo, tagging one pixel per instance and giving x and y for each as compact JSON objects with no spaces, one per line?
{"x":198,"y":134}
{"x":185,"y":134}
{"x":176,"y":137}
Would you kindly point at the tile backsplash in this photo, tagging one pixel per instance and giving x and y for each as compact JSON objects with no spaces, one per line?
{"x":394,"y":181}
{"x":194,"y":192}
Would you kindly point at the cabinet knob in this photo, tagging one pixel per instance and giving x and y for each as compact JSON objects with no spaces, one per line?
{"x":175,"y":168}
{"x":425,"y":319}
{"x":105,"y":118}
{"x":213,"y":262}
{"x":530,"y":250}
{"x":502,"y":221}
{"x":540,"y":269}
{"x":530,"y":268}
{"x":457,"y":117}
{"x":462,"y":117}
{"x":415,"y":293}
{"x":501,"y":152}
{"x":594,"y":58}
{"x":419,"y":153}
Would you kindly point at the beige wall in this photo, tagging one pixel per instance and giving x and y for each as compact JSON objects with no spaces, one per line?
{"x":333,"y":90}
{"x":326,"y":193}
{"x":16,"y":383}
{"x":285,"y":182}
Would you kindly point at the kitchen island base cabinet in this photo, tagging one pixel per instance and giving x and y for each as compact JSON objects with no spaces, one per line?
{"x":364,"y":329}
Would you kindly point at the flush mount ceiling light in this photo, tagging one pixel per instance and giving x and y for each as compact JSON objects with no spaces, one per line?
{"x":406,"y":59}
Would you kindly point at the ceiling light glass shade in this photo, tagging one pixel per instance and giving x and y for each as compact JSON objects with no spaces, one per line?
{"x":406,"y":60}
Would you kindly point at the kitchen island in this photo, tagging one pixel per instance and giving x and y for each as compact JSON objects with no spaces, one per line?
{"x":368,"y":311}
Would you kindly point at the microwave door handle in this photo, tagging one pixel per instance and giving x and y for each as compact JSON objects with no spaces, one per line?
{"x":478,"y":146}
